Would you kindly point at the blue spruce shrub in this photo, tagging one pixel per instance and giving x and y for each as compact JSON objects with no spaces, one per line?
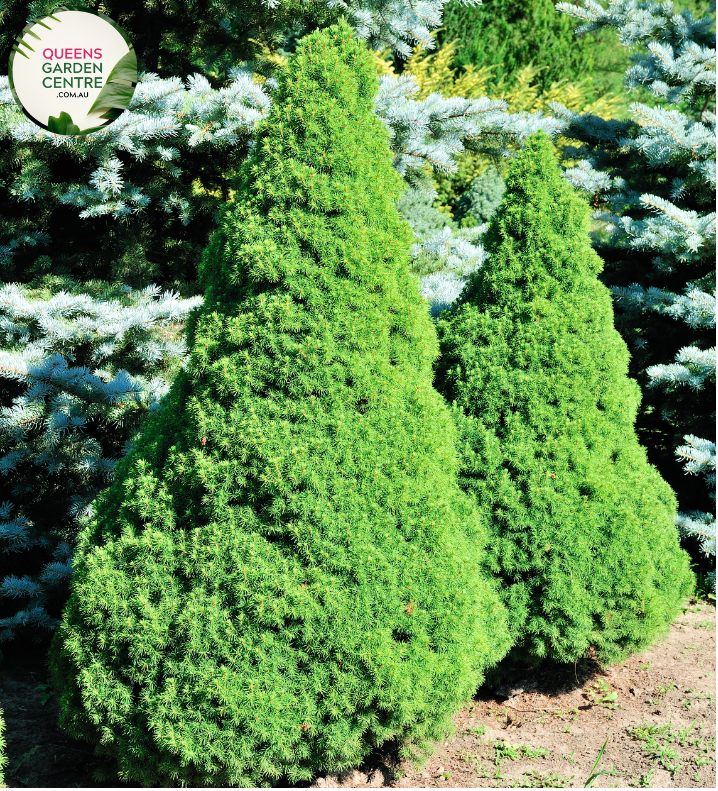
{"x":79,"y":370}
{"x":582,"y":525}
{"x":285,"y":573}
{"x":416,"y":206}
{"x":482,"y":199}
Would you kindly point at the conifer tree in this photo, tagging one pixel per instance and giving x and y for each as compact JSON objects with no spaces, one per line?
{"x":582,"y":526}
{"x":508,"y":35}
{"x":136,"y":203}
{"x":652,"y":179}
{"x":285,"y":572}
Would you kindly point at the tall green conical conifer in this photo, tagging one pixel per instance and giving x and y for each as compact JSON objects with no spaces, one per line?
{"x":583,"y":527}
{"x":285,"y":572}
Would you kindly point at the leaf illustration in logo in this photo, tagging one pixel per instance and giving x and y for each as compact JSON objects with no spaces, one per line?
{"x":63,"y":125}
{"x":115,"y":95}
{"x":29,"y":32}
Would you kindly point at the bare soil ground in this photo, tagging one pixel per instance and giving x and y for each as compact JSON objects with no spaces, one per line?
{"x":657,"y":712}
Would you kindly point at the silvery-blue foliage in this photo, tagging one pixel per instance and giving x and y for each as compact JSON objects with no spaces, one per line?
{"x":442,"y":254}
{"x":69,"y":359}
{"x":694,"y":307}
{"x":456,"y":255}
{"x":433,"y":131}
{"x":393,"y":23}
{"x":692,"y":367}
{"x":699,"y":458}
{"x":677,"y":228}
{"x":677,"y":59}
{"x":164,"y":118}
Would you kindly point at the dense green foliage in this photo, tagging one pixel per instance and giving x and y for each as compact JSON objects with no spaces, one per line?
{"x":510,"y":34}
{"x":285,"y":572}
{"x":177,"y":37}
{"x":583,"y":527}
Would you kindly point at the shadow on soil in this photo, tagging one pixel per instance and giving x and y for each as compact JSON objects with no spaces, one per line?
{"x":555,"y":709}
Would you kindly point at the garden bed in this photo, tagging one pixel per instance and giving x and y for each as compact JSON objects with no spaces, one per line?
{"x":657,"y":710}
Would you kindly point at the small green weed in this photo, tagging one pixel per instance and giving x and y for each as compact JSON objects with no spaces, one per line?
{"x":600,"y":695}
{"x":534,"y":779}
{"x":661,"y":693}
{"x":478,"y":730}
{"x":538,"y":752}
{"x":478,"y":763}
{"x":594,"y":774}
{"x":503,"y":750}
{"x":515,"y":751}
{"x":706,"y":696}
{"x":660,"y":740}
{"x":682,"y":734}
{"x":570,"y":714}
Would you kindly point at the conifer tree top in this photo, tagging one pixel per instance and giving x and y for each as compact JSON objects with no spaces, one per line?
{"x":538,"y":241}
{"x":321,"y":164}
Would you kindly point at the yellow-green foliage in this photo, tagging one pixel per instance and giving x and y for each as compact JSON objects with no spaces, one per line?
{"x":583,"y":526}
{"x":436,"y":71}
{"x":285,"y":573}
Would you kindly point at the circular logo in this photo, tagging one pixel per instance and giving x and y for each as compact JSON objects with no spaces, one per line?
{"x":73,"y":72}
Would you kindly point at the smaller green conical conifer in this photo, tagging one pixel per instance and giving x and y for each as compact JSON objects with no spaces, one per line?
{"x":285,"y":572}
{"x":582,"y":525}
